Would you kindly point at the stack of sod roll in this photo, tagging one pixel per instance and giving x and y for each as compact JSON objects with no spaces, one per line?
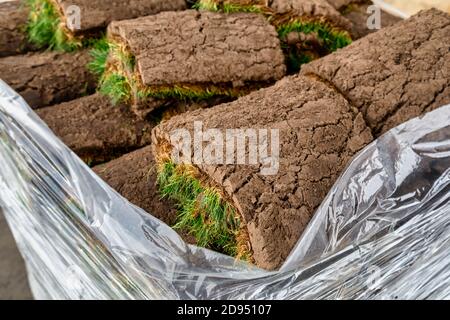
{"x":46,"y":78}
{"x":190,"y":55}
{"x":161,"y":66}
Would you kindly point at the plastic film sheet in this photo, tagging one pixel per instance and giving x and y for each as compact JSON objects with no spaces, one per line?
{"x":383,"y":231}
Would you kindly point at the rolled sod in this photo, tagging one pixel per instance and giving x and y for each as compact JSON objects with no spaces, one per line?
{"x":396,"y":73}
{"x":308,"y":29}
{"x":13,"y":20}
{"x":96,"y":130}
{"x":324,"y":116}
{"x":70,"y":24}
{"x":356,"y":11}
{"x":48,"y":78}
{"x":190,"y":55}
{"x":134,"y":176}
{"x":238,"y":210}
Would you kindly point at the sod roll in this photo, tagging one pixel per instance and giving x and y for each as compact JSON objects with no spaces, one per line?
{"x":48,"y":78}
{"x":96,"y":130}
{"x":319,"y":133}
{"x":383,"y":80}
{"x":99,"y":131}
{"x":13,"y":20}
{"x":356,"y":11}
{"x":395,"y":74}
{"x":192,"y":54}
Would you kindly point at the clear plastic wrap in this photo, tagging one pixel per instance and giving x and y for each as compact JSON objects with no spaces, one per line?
{"x":382,"y":232}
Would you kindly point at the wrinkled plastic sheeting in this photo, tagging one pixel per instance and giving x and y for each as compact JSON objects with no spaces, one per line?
{"x":382,"y":232}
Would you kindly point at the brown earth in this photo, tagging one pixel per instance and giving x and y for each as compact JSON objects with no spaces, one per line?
{"x":13,"y":19}
{"x":192,"y":47}
{"x":395,"y":74}
{"x":96,"y":130}
{"x":382,"y":80}
{"x":97,"y":14}
{"x":48,"y":78}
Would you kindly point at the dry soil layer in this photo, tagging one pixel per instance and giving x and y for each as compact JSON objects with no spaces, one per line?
{"x":95,"y":129}
{"x":96,"y":14}
{"x":395,"y":74}
{"x":13,"y":19}
{"x":99,"y":131}
{"x":192,"y":47}
{"x":48,"y":78}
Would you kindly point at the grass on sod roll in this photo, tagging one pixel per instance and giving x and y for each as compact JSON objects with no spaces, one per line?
{"x":202,"y":211}
{"x":46,"y":28}
{"x":99,"y":54}
{"x":294,"y":60}
{"x":333,"y":38}
{"x":115,"y":66}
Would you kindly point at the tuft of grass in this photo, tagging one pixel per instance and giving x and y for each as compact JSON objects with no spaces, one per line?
{"x":232,"y":8}
{"x":116,"y":87}
{"x":114,"y":81}
{"x":332,"y":39}
{"x":45,"y":29}
{"x":206,"y":5}
{"x":99,"y":54}
{"x":202,"y":211}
